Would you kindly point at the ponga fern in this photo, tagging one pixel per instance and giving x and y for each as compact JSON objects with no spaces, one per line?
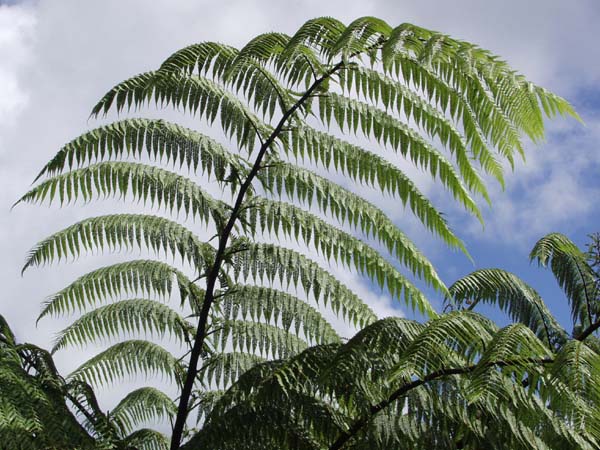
{"x":448,"y":107}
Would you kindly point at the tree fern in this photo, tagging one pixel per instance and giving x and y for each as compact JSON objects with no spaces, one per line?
{"x":447,"y":107}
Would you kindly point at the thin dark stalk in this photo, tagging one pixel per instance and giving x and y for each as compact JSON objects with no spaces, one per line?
{"x":589,"y":330}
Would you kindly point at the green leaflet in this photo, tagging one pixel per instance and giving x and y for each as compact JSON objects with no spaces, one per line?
{"x":142,"y":405}
{"x":126,"y":359}
{"x":129,"y":317}
{"x":158,"y":139}
{"x":257,"y":303}
{"x":121,"y":231}
{"x":152,"y":278}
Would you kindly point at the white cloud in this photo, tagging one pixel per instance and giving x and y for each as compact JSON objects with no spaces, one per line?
{"x":17,"y":26}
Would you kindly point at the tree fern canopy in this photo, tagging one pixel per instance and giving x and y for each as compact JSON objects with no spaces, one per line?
{"x":223,"y":283}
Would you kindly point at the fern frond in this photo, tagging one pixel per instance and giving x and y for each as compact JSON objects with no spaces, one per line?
{"x":128,"y":358}
{"x":159,"y":187}
{"x":270,"y":263}
{"x":361,"y":36}
{"x":367,"y":167}
{"x":352,"y":115}
{"x":196,"y":95}
{"x":142,"y":405}
{"x":201,"y":58}
{"x":510,"y":294}
{"x":146,"y":439}
{"x":339,"y":246}
{"x":122,"y":231}
{"x":158,"y":139}
{"x":255,"y":337}
{"x":221,"y":369}
{"x":518,"y":346}
{"x":575,"y":374}
{"x":571,"y":270}
{"x":127,"y":317}
{"x":257,"y":303}
{"x":376,"y":87}
{"x":320,"y":34}
{"x":345,"y":206}
{"x":205,"y":403}
{"x":462,"y":333}
{"x":151,"y":278}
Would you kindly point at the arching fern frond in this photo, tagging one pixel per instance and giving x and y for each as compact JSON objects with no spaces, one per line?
{"x":126,"y":359}
{"x":156,"y":139}
{"x":122,"y":231}
{"x":145,"y":183}
{"x":127,"y":317}
{"x":574,"y":275}
{"x":147,"y":439}
{"x":142,"y":405}
{"x":510,"y":294}
{"x":152,"y":278}
{"x":406,"y":88}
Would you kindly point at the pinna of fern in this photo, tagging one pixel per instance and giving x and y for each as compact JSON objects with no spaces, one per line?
{"x":281,"y":102}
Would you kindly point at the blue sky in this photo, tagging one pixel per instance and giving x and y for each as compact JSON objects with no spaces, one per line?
{"x":58,"y":57}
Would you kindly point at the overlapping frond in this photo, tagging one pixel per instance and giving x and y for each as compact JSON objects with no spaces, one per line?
{"x":352,"y":116}
{"x":268,"y":262}
{"x":464,"y":402}
{"x":340,"y":247}
{"x":256,"y":337}
{"x":258,"y":303}
{"x":196,"y":95}
{"x":224,"y":368}
{"x":347,"y":207}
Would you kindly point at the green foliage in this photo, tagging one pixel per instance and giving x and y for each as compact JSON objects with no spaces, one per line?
{"x":482,"y":387}
{"x":278,"y":104}
{"x":40,"y":410}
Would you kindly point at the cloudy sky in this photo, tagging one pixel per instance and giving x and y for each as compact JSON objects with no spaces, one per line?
{"x":57,"y":57}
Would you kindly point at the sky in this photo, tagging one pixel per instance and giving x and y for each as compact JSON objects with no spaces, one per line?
{"x":58,"y":57}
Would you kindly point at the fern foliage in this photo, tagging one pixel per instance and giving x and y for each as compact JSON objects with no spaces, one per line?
{"x":281,"y":111}
{"x":39,"y":409}
{"x":489,"y":388}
